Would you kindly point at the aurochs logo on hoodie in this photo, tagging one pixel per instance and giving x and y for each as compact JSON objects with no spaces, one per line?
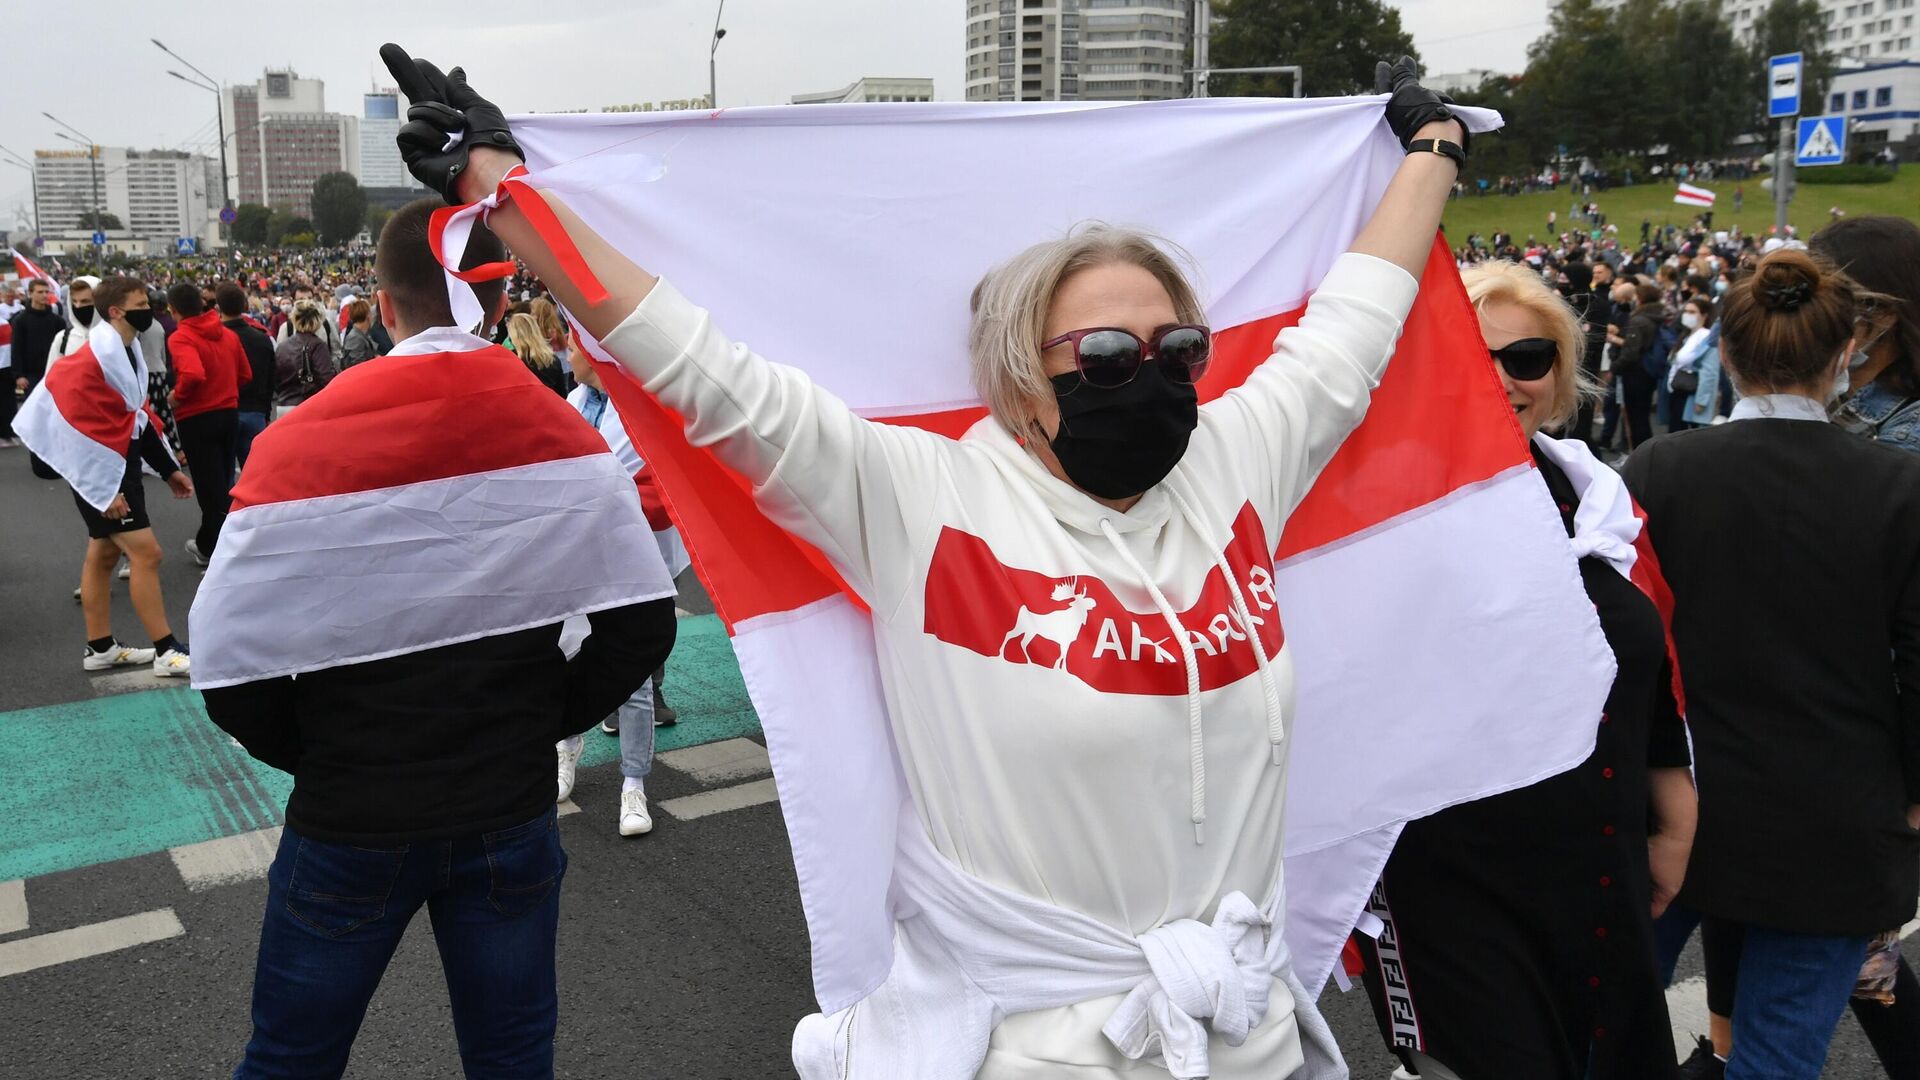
{"x":1077,"y":625}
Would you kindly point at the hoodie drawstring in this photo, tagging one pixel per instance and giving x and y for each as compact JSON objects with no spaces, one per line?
{"x":1196,"y":741}
{"x":1276,"y":725}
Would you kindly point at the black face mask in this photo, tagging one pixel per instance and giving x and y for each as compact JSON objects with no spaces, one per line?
{"x":1116,"y":443}
{"x":83,"y":314}
{"x":140,"y":320}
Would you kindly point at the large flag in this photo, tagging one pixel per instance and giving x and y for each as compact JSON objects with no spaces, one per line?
{"x":1690,"y":195}
{"x":26,"y":269}
{"x":82,"y":418}
{"x":1444,"y":647}
{"x":435,"y":495}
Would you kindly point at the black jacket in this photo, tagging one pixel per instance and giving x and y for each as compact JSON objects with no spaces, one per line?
{"x":448,"y":742}
{"x":256,"y":395}
{"x":1793,"y":552}
{"x":33,"y":334}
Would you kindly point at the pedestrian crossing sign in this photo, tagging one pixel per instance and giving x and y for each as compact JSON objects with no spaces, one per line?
{"x":1822,"y":140}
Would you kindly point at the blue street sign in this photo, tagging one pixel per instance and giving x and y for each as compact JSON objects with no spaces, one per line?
{"x":185,"y":245}
{"x":99,"y":237}
{"x":1822,"y":140}
{"x":228,"y":215}
{"x":1783,"y":86}
{"x":39,"y":241}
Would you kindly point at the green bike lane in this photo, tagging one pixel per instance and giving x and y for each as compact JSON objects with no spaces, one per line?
{"x":130,"y":774}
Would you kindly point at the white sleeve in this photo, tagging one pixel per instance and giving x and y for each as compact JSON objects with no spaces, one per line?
{"x":1290,"y":416}
{"x":859,"y":491}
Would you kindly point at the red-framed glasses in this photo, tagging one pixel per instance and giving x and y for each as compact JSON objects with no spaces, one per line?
{"x":1109,"y":357}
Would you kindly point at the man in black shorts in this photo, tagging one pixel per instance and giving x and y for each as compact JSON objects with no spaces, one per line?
{"x":94,"y":397}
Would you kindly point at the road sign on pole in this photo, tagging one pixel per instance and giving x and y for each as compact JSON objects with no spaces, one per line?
{"x":185,"y":245}
{"x":1822,"y":140}
{"x":1783,"y":86}
{"x":228,"y":215}
{"x":99,"y":238}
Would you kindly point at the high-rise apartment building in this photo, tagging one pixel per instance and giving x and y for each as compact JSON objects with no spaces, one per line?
{"x":157,"y":195}
{"x":285,"y":139}
{"x":1063,"y":50}
{"x":1857,"y":31}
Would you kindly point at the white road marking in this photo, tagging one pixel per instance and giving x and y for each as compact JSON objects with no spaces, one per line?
{"x":568,"y":806}
{"x":130,"y":681}
{"x":228,"y":860}
{"x":13,"y":906}
{"x":718,"y":762}
{"x":682,"y":613}
{"x":63,"y":946}
{"x":721,"y":800}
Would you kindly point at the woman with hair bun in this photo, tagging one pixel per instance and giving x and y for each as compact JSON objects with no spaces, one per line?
{"x":1792,"y":550}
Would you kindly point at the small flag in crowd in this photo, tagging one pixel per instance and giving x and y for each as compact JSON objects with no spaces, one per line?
{"x":26,"y":268}
{"x":1689,"y":195}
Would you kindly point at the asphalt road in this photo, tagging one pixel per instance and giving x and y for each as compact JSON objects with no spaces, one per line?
{"x":682,"y":954}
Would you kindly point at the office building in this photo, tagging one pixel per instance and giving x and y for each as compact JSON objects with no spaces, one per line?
{"x":1881,"y":103}
{"x":159,"y":196}
{"x":380,"y":164}
{"x":284,"y":139}
{"x":1858,"y":31}
{"x":871,"y":88}
{"x":1066,"y":50}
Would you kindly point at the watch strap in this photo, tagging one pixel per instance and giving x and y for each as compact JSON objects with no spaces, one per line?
{"x":1442,"y":147}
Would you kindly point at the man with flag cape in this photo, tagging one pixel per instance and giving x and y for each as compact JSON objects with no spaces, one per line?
{"x":1026,"y":688}
{"x":382,"y":619}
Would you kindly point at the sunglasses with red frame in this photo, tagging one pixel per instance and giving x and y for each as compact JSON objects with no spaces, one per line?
{"x":1109,"y":357}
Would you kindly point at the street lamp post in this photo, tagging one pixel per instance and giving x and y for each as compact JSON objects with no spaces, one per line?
{"x":33,"y":176}
{"x":219,"y":115}
{"x":713,"y":82}
{"x":93,"y":159}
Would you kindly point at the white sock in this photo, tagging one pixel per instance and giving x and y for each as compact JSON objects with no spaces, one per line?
{"x":631,"y":784}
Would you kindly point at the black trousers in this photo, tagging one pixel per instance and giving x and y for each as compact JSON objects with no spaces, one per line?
{"x":1636,"y":392}
{"x":209,"y":441}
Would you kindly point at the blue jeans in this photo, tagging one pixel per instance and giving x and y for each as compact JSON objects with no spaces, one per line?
{"x":636,"y":733}
{"x":251,"y":424}
{"x":1789,"y":996}
{"x":335,"y":913}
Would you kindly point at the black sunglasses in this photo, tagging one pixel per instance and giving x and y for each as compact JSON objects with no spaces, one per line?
{"x":1109,"y":357}
{"x":1529,"y":358}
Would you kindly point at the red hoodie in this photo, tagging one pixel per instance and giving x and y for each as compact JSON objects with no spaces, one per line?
{"x":209,"y":366}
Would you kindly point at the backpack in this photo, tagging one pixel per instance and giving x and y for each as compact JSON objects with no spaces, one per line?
{"x":1654,"y":359}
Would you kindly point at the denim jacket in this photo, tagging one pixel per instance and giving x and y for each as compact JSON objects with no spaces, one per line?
{"x":1883,"y":416}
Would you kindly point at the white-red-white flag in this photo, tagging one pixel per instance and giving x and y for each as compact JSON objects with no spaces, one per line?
{"x":434,"y":495}
{"x":82,"y":417}
{"x":1444,"y":647}
{"x":1692,"y":195}
{"x":26,"y":268}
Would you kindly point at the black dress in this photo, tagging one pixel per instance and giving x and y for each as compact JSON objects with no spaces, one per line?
{"x":1519,"y":939}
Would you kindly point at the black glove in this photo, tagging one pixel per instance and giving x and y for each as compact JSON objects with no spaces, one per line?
{"x":1412,"y":106}
{"x":443,"y":106}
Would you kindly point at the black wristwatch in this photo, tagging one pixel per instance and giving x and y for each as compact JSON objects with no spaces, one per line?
{"x":1442,"y":147}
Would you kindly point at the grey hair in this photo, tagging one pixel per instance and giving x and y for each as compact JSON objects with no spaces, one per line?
{"x":1011,"y":303}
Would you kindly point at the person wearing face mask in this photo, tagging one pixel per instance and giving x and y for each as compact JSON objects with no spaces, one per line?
{"x":92,"y":402}
{"x":77,"y":309}
{"x":1493,"y":905}
{"x":1792,"y":550}
{"x":1096,"y":465}
{"x":1693,"y":376}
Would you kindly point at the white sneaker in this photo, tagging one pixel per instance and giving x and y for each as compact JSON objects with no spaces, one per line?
{"x":634,"y":819}
{"x":611,"y":725}
{"x":172,"y":663}
{"x":117,"y":656}
{"x":125,"y":571}
{"x":193,"y":550}
{"x":569,"y":751}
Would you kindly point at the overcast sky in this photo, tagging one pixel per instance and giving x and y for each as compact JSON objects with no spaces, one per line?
{"x":554,"y":54}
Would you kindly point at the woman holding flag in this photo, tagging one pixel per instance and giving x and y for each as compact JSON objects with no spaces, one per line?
{"x":1095,"y":896}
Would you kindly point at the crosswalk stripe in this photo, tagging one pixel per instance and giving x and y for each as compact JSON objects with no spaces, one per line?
{"x":717,"y":762}
{"x":721,"y":800}
{"x":226,"y":861}
{"x":64,"y":946}
{"x":13,"y":906}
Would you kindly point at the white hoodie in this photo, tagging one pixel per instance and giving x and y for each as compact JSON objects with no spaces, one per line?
{"x":1086,"y":780}
{"x":74,"y":337}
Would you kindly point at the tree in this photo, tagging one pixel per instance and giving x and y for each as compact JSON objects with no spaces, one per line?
{"x":1707,"y":90}
{"x":284,"y":222}
{"x":101,"y":219}
{"x":377,"y":219}
{"x":250,"y":224}
{"x":339,"y":207}
{"x":1585,"y":89}
{"x":1786,"y":26}
{"x":1335,"y":42}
